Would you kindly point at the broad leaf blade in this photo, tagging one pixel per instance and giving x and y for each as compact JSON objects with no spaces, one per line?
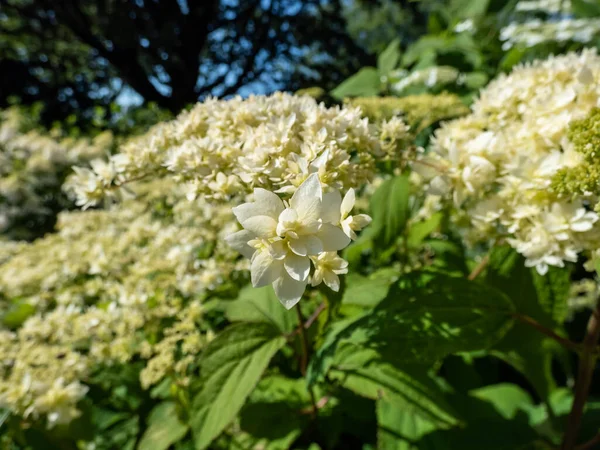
{"x":388,"y":59}
{"x":389,"y":209}
{"x":423,"y":321}
{"x":409,"y":388}
{"x":230,"y":367}
{"x":164,"y":428}
{"x":366,"y":82}
{"x":261,"y":305}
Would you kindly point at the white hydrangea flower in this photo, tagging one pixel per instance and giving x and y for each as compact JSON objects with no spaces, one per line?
{"x":328,"y":266}
{"x":497,"y":164}
{"x":282,"y":238}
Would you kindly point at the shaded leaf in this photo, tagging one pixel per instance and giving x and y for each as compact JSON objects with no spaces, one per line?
{"x":409,"y":388}
{"x":272,"y":413}
{"x":164,"y":428}
{"x":422,"y":320}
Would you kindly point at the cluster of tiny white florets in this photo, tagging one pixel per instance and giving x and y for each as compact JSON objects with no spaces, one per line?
{"x":93,"y":289}
{"x":498,"y":162}
{"x":283,"y":238}
{"x":222,"y":149}
{"x":548,"y":21}
{"x":33,"y":165}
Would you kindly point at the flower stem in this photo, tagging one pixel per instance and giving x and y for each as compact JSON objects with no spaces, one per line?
{"x":479,"y":268}
{"x":587,"y":364}
{"x":578,"y":348}
{"x":304,"y":358}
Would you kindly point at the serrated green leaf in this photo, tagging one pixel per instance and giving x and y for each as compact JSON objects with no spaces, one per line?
{"x":164,"y":428}
{"x":261,"y":305}
{"x":423,"y":323}
{"x":366,"y":82}
{"x":388,"y":59}
{"x":230,"y":368}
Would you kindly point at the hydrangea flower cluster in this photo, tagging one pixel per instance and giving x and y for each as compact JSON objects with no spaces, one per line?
{"x":498,"y":163}
{"x":96,"y":288}
{"x":222,"y":149}
{"x":33,"y":166}
{"x":283,"y":238}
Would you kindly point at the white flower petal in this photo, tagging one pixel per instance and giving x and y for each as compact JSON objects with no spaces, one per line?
{"x":333,"y":238}
{"x":278,"y":250}
{"x":360,"y":221}
{"x":262,"y":226}
{"x":264,"y":269}
{"x":331,"y":280}
{"x":332,"y":202}
{"x":270,"y":203}
{"x":288,"y":290}
{"x":313,"y":245}
{"x":297,"y":266}
{"x":348,"y":203}
{"x":298,"y":247}
{"x":239,"y":241}
{"x":307,"y":199}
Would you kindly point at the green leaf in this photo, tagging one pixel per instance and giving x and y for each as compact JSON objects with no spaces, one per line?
{"x":261,"y":305}
{"x":103,"y":418}
{"x":272,"y":413}
{"x":543,"y":299}
{"x":388,"y":59}
{"x":18,"y":313}
{"x":230,"y":368}
{"x":366,"y":82}
{"x":552,"y":292}
{"x":423,"y":319}
{"x":512,"y":58}
{"x":485,"y":429}
{"x":398,"y":427}
{"x":418,"y":231}
{"x":586,"y":8}
{"x":468,"y":9}
{"x":389,"y":209}
{"x":507,"y":399}
{"x":409,"y":388}
{"x":476,"y":80}
{"x":368,"y":291}
{"x":164,"y":428}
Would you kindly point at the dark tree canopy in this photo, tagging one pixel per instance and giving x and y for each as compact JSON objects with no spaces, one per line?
{"x":77,"y":54}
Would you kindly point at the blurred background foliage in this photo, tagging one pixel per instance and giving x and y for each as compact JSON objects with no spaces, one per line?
{"x":77,"y":77}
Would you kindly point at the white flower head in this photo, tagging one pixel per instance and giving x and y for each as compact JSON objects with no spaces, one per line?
{"x":281,"y":238}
